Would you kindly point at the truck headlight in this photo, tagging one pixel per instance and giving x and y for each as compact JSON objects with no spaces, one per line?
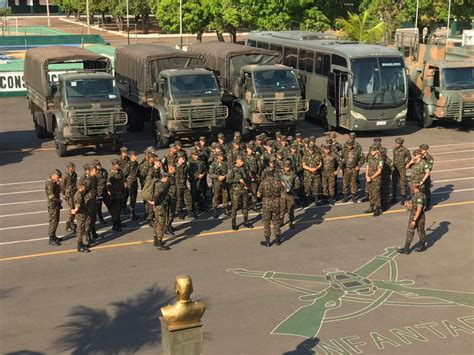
{"x":401,"y":114}
{"x":358,"y":115}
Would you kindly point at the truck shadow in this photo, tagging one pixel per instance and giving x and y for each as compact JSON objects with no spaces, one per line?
{"x":15,"y":146}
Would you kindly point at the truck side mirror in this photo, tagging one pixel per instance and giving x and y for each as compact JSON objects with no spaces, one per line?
{"x":430,"y":81}
{"x":155,"y":87}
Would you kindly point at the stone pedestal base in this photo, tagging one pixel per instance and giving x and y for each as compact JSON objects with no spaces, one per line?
{"x":186,"y":341}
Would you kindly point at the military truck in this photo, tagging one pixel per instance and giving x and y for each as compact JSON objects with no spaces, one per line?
{"x":82,"y":106}
{"x":262,"y":94}
{"x":442,"y":81}
{"x":171,"y":88}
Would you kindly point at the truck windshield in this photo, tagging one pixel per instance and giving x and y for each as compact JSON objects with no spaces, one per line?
{"x":379,"y":82}
{"x":275,"y":80}
{"x":458,"y":78}
{"x":193,"y":85}
{"x":87,"y":90}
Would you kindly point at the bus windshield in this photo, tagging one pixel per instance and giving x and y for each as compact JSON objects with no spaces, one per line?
{"x":458,"y":78}
{"x":85,"y":90}
{"x":193,"y":85}
{"x":379,"y":82}
{"x":275,"y":80}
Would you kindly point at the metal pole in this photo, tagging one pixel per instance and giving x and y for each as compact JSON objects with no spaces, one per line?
{"x":47,"y":12}
{"x":88,"y":18}
{"x":416,"y":16}
{"x":128,"y":26}
{"x":180,"y":24}
{"x":449,"y":19}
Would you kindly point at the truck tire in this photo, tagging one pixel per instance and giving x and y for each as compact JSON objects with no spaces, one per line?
{"x":291,"y":131}
{"x":323,"y":118}
{"x":239,"y":120}
{"x":116,"y":145}
{"x":140,"y":113}
{"x":61,"y":148}
{"x":40,"y":124}
{"x":423,"y":117}
{"x":132,"y":121}
{"x":161,"y":140}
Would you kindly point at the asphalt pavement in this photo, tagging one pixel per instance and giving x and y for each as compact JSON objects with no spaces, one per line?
{"x":54,"y":300}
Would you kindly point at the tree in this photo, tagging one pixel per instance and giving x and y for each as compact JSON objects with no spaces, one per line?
{"x":142,"y":8}
{"x":387,"y":11}
{"x":71,"y":6}
{"x":314,"y":20}
{"x":359,"y":28}
{"x":227,"y":16}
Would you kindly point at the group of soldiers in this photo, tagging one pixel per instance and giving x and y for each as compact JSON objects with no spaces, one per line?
{"x":270,"y":176}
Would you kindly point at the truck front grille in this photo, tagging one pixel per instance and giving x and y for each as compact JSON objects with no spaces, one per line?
{"x":457,"y":108}
{"x":95,"y":123}
{"x":203,"y":115}
{"x":283,"y":110}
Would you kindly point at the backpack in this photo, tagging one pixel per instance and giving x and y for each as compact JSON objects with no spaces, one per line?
{"x":148,"y":190}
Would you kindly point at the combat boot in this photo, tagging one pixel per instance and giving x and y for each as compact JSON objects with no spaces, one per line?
{"x":160,"y":246}
{"x":402,"y":202}
{"x":53,"y":241}
{"x":227,"y":211}
{"x":346,"y":198}
{"x":405,"y":249}
{"x":370,"y":209}
{"x":277,"y":240}
{"x":155,"y":241}
{"x":316,"y":201}
{"x":68,"y":227}
{"x":247,"y":224}
{"x":291,"y":225}
{"x":171,"y":229}
{"x":214,"y":214}
{"x":150,"y":223}
{"x":114,"y":226}
{"x":234,"y":224}
{"x":377,"y":212}
{"x":266,"y":242}
{"x":100,"y":217}
{"x":133,"y":216}
{"x":191,"y":214}
{"x":422,"y":247}
{"x":354,"y":199}
{"x":332,"y":201}
{"x":81,"y":248}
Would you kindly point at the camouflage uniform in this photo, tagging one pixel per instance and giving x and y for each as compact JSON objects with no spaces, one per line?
{"x":418,"y":200}
{"x":182,"y":190}
{"x":312,"y":181}
{"x":427,"y":185}
{"x":117,"y":191}
{"x":143,"y":169}
{"x":153,"y":173}
{"x":69,"y":188}
{"x":386,"y":179}
{"x":173,"y":194}
{"x":253,"y":169}
{"x":80,"y":204}
{"x":287,"y":200}
{"x":373,"y":187}
{"x":132,"y":185}
{"x":53,"y":191}
{"x":401,"y":156}
{"x":219,"y":188}
{"x":238,"y":191}
{"x":271,"y":190}
{"x":102,"y":196}
{"x":418,"y":171}
{"x":125,"y":167}
{"x":90,"y":182}
{"x":352,"y":161}
{"x":198,"y":186}
{"x":330,"y":165}
{"x":160,"y":208}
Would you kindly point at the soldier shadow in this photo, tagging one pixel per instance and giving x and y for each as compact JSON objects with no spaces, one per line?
{"x":307,"y":346}
{"x":24,"y":352}
{"x":309,"y":217}
{"x":122,"y":327}
{"x":444,"y":193}
{"x":110,"y":235}
{"x":436,"y":234}
{"x":191,"y":229}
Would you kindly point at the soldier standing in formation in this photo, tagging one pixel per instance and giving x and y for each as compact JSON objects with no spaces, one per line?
{"x":102,"y":195}
{"x":291,"y":186}
{"x":401,"y":157}
{"x":90,"y":182}
{"x":218,"y":173}
{"x":173,"y":194}
{"x":79,"y":211}
{"x":182,"y":190}
{"x":144,"y":167}
{"x":420,"y":170}
{"x":237,"y":178}
{"x":312,"y":164}
{"x":352,"y":161}
{"x":125,"y":168}
{"x":373,"y":180}
{"x":271,"y":191}
{"x":116,"y":187}
{"x":53,"y":191}
{"x":197,"y":180}
{"x":387,"y":171}
{"x":252,"y":163}
{"x":330,"y":169}
{"x":69,"y":188}
{"x":132,"y":184}
{"x":160,"y":206}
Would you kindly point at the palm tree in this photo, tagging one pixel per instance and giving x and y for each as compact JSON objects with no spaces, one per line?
{"x":359,"y":28}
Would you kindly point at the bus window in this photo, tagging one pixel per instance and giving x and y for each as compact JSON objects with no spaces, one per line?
{"x":306,"y":61}
{"x":318,"y":63}
{"x":262,"y":45}
{"x":291,"y":57}
{"x":251,"y":43}
{"x":274,"y":47}
{"x":326,"y":64}
{"x":338,"y":60}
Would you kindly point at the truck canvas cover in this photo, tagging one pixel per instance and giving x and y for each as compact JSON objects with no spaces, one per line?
{"x":142,"y":63}
{"x":38,"y":59}
{"x":226,"y":59}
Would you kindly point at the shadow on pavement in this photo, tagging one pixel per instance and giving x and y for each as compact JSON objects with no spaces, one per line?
{"x":131,"y":325}
{"x":25,"y":352}
{"x":443,"y":193}
{"x":436,"y":234}
{"x":307,"y":346}
{"x":10,"y":150}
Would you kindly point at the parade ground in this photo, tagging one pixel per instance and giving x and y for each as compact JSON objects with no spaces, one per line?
{"x":336,"y":285}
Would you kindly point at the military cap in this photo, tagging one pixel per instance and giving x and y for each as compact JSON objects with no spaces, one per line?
{"x":270,"y":143}
{"x":294,"y":146}
{"x":214,"y":145}
{"x":70,"y":164}
{"x":164,"y":174}
{"x":150,"y":148}
{"x":283,"y":137}
{"x":329,"y":139}
{"x":327,"y":146}
{"x":237,"y":134}
{"x":220,"y":136}
{"x":202,"y":138}
{"x":133,"y":152}
{"x":352,"y":135}
{"x":377,"y":139}
{"x":424,"y":146}
{"x":263,"y":135}
{"x":399,"y":140}
{"x":124,"y":150}
{"x":312,"y":138}
{"x":306,"y":140}
{"x":298,"y":135}
{"x":289,"y":138}
{"x":287,"y":163}
{"x":280,"y":153}
{"x":278,"y":134}
{"x":178,"y":142}
{"x":312,"y":146}
{"x":251,"y":142}
{"x":57,"y":172}
{"x":250,"y":145}
{"x":220,"y":153}
{"x":416,"y":152}
{"x":258,"y":137}
{"x":195,"y":152}
{"x":96,"y":162}
{"x":374,"y":147}
{"x":239,"y":157}
{"x":181,"y":154}
{"x":272,"y":160}
{"x":172,"y":145}
{"x":334,"y":135}
{"x":236,"y":141}
{"x":115,"y":161}
{"x":196,"y":143}
{"x":87,"y":166}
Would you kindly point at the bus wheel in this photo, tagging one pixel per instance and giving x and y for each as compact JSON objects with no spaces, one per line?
{"x":323,"y":117}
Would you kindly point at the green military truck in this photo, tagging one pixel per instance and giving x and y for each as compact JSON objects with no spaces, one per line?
{"x":262,"y":94}
{"x":171,"y":88}
{"x":76,"y":104}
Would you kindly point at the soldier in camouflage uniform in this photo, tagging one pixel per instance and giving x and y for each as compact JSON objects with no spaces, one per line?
{"x":132,"y":184}
{"x":180,"y":150}
{"x":271,"y":190}
{"x":330,"y":169}
{"x":90,"y":182}
{"x":387,"y":171}
{"x":53,"y":190}
{"x":237,"y":178}
{"x":268,"y":154}
{"x":153,"y":173}
{"x":116,"y":187}
{"x":427,"y":184}
{"x":197,"y":180}
{"x":160,"y":206}
{"x":125,"y":167}
{"x":143,"y":169}
{"x":79,"y":211}
{"x":416,"y":220}
{"x":280,"y":159}
{"x":252,"y":163}
{"x":173,"y":194}
{"x":182,"y":190}
{"x":420,"y":169}
{"x":352,"y":161}
{"x":401,"y":157}
{"x":287,"y":200}
{"x":233,"y":151}
{"x":222,"y":143}
{"x":102,"y":195}
{"x":373,"y":180}
{"x":271,"y":167}
{"x":171,"y":157}
{"x":218,"y":173}
{"x":69,"y":188}
{"x":312,"y":164}
{"x":259,"y":146}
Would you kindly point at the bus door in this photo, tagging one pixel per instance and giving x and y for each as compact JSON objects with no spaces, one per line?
{"x":338,"y":98}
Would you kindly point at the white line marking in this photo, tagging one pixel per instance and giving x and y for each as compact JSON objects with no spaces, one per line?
{"x":21,"y":203}
{"x":455,"y":152}
{"x":452,"y":160}
{"x":456,"y":169}
{"x":19,"y":192}
{"x":22,"y":182}
{"x":459,"y":179}
{"x":24,"y":213}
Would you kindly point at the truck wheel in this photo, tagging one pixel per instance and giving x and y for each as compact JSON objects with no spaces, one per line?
{"x":161,"y":140}
{"x":323,"y":117}
{"x":424,"y":119}
{"x":116,"y":145}
{"x":291,"y":131}
{"x":132,"y":122}
{"x":61,"y":148}
{"x":40,"y":124}
{"x":239,"y":120}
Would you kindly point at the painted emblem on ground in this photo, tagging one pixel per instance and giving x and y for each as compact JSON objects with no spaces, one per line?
{"x":354,"y":286}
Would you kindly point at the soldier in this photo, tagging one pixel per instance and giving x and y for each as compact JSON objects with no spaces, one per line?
{"x":237,"y":178}
{"x":259,"y":146}
{"x":277,"y":144}
{"x":427,"y":184}
{"x":271,"y":167}
{"x":312,"y":164}
{"x":271,"y":190}
{"x":268,"y":154}
{"x":373,"y":180}
{"x":173,"y":194}
{"x":252,"y":164}
{"x":386,"y":178}
{"x":222,"y":143}
{"x":171,"y":157}
{"x":79,"y":211}
{"x":416,"y":220}
{"x":237,"y":137}
{"x":197,"y":179}
{"x":160,"y":206}
{"x":147,"y":163}
{"x":125,"y":167}
{"x":330,"y":168}
{"x":420,"y":170}
{"x":132,"y":184}
{"x":205,"y":150}
{"x":401,"y":157}
{"x":116,"y":187}
{"x":233,"y":151}
{"x":280,"y":159}
{"x":69,"y":188}
{"x":53,"y":191}
{"x":90,"y":182}
{"x":102,"y":195}
{"x":182,"y":190}
{"x":291,"y":186}
{"x":352,"y":161}
{"x":218,"y":174}
{"x":336,"y":146}
{"x":179,"y":149}
{"x":215,"y":147}
{"x":154,"y":173}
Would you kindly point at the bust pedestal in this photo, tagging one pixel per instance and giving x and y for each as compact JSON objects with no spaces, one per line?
{"x":181,"y":340}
